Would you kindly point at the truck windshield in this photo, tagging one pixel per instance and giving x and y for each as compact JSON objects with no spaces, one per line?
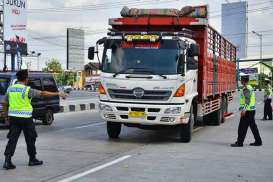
{"x":141,"y":57}
{"x":4,"y":84}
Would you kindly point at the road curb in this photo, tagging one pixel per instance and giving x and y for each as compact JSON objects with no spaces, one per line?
{"x":77,"y":107}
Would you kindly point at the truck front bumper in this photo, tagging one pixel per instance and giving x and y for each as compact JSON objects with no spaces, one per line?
{"x":150,"y":114}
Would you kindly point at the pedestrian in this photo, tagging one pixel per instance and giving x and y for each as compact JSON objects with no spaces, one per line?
{"x":247,"y":108}
{"x":267,"y":101}
{"x":20,"y":110}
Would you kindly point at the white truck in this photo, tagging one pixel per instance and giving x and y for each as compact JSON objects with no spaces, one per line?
{"x":157,"y":74}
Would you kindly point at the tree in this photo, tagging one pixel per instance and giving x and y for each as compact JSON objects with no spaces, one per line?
{"x":61,"y":77}
{"x":53,"y":65}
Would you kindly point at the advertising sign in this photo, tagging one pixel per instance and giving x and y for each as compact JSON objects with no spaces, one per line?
{"x":75,"y":49}
{"x":249,"y":70}
{"x":12,"y":47}
{"x":15,"y":20}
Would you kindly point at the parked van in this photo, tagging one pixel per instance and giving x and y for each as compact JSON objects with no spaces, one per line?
{"x":43,"y":108}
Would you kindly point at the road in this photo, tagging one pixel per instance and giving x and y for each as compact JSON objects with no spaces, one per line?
{"x":76,"y":147}
{"x":80,"y":97}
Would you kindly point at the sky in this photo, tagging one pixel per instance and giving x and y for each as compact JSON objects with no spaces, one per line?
{"x":48,"y":20}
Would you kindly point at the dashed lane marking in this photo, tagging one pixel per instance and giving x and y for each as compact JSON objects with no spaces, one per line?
{"x":83,"y":126}
{"x":80,"y":175}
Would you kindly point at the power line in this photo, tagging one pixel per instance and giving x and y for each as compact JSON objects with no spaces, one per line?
{"x":101,"y":6}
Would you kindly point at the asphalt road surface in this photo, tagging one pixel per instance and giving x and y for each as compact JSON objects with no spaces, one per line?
{"x":76,"y":148}
{"x":80,"y":97}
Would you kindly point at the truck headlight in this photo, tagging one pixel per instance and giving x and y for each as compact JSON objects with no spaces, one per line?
{"x":104,"y":107}
{"x":173,"y":110}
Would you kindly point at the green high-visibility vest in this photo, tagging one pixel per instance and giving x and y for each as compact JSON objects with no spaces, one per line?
{"x":19,"y":102}
{"x":251,"y":105}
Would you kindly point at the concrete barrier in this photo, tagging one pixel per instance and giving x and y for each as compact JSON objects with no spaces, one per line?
{"x":77,"y":107}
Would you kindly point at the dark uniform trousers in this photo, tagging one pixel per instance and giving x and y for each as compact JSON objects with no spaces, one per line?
{"x":16,"y":126}
{"x":248,"y":121}
{"x":267,"y":109}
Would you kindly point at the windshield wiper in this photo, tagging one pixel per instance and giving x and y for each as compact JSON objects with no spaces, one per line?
{"x":141,"y":70}
{"x":153,"y":73}
{"x":124,"y":71}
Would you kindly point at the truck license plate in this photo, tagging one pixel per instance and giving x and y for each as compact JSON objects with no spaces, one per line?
{"x":134,"y":114}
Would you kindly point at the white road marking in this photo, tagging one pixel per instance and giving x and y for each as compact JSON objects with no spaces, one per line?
{"x":231,"y":116}
{"x":85,"y":126}
{"x":197,"y":129}
{"x":80,"y":175}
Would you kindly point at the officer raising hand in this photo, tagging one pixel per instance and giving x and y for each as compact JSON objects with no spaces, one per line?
{"x":247,"y":108}
{"x":20,"y":115}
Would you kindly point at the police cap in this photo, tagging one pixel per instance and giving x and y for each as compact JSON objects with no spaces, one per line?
{"x":245,"y":78}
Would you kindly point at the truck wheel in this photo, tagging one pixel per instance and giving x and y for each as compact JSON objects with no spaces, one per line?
{"x":185,"y":130}
{"x":48,"y":118}
{"x":224,"y":109}
{"x":216,"y":117}
{"x":113,"y":129}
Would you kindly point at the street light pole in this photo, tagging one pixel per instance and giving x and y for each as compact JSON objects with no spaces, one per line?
{"x":261,"y":48}
{"x":38,"y":60}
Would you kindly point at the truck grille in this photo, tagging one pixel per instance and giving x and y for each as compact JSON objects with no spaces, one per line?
{"x":148,"y":94}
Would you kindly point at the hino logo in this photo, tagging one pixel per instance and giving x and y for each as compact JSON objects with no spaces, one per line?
{"x":138,"y":92}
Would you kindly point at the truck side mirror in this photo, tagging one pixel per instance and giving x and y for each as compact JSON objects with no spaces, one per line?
{"x":91,"y":53}
{"x":194,"y":50}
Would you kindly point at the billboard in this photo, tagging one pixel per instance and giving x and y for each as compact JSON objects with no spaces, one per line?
{"x":12,"y":47}
{"x":75,"y":49}
{"x":249,"y":70}
{"x":15,"y":20}
{"x":235,"y":25}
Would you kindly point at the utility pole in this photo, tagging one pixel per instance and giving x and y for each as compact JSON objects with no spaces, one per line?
{"x":2,"y":29}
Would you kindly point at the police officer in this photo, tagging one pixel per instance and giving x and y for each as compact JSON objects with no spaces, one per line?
{"x":247,"y":108}
{"x":267,"y":101}
{"x":20,"y":115}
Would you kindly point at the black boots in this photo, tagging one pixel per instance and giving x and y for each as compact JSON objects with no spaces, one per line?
{"x":256,"y":144}
{"x":8,"y":164}
{"x":236,"y":144}
{"x":34,"y":162}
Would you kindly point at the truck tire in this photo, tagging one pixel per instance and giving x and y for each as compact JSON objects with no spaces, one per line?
{"x":224,"y":109}
{"x":113,"y":129}
{"x":185,"y":130}
{"x":48,"y":118}
{"x":216,"y":117}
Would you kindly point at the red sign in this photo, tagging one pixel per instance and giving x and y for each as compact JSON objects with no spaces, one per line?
{"x":152,"y":45}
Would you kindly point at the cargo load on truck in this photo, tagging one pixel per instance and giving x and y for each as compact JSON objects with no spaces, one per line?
{"x":190,"y":11}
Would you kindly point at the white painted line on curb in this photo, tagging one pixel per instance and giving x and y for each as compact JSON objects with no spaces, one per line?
{"x":80,"y":175}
